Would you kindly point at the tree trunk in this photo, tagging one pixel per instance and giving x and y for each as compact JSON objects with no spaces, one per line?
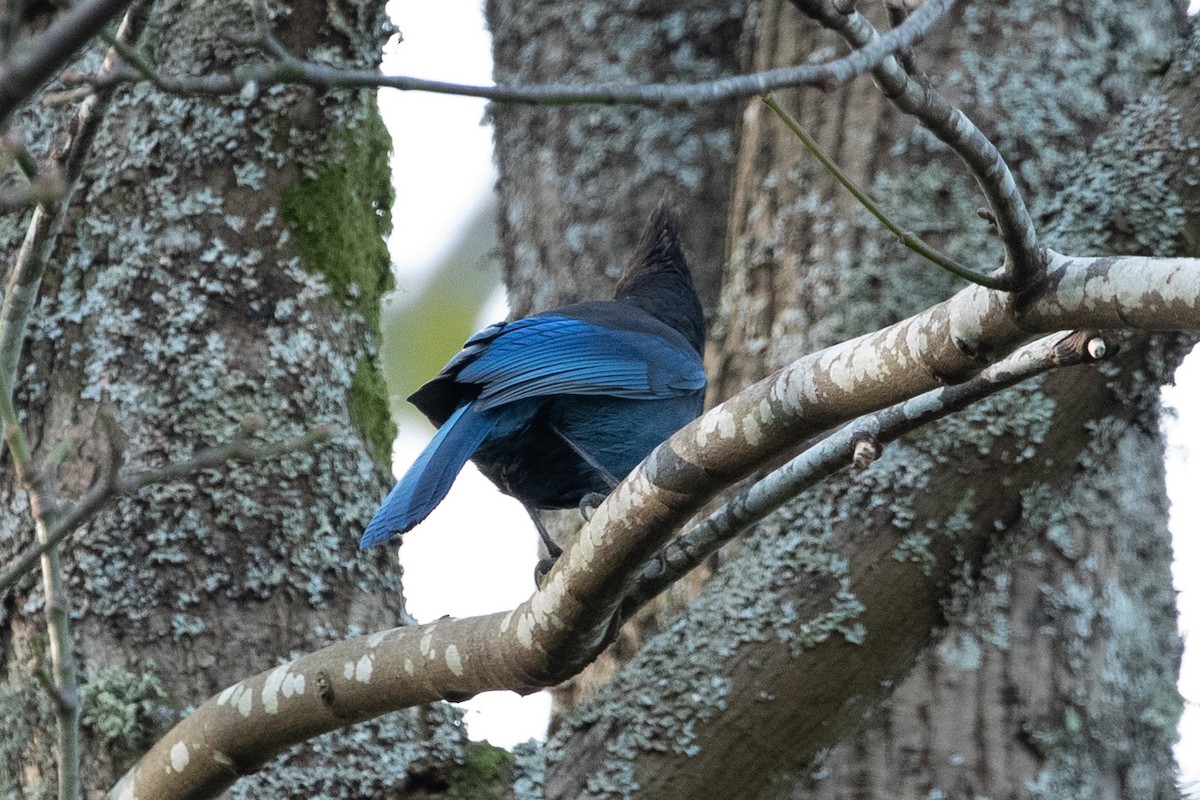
{"x":218,"y":276}
{"x":1016,"y":521}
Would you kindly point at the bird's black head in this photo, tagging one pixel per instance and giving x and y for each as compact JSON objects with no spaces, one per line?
{"x":657,"y":279}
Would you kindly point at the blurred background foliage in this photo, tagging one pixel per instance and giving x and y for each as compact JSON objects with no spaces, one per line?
{"x":427,"y":319}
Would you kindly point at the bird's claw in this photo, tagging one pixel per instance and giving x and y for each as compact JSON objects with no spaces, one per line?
{"x":589,"y":503}
{"x":657,"y":566}
{"x":542,"y":570}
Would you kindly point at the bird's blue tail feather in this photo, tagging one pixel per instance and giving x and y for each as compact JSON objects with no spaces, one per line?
{"x":431,"y":475}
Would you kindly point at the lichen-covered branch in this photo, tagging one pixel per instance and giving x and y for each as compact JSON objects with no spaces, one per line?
{"x":566,"y":622}
{"x":858,"y":443}
{"x":322,"y":76}
{"x":953,"y":127}
{"x":64,"y":682}
{"x":25,"y":274}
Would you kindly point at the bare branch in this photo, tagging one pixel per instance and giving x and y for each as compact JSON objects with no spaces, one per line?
{"x":64,"y":671}
{"x":845,"y":448}
{"x":25,"y":275}
{"x":953,"y":127}
{"x":28,"y":68}
{"x":321,"y":76}
{"x":569,"y":618}
{"x":61,"y":39}
{"x":111,"y":485}
{"x":907,"y":238}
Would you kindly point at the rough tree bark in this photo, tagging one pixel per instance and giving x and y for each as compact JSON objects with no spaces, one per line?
{"x":1017,"y":521}
{"x":220,"y":270}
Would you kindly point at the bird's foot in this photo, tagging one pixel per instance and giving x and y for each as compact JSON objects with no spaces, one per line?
{"x":656,"y":567}
{"x":542,"y":570}
{"x":589,"y":503}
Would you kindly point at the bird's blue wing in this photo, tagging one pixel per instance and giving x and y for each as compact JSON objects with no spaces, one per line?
{"x":431,"y":475}
{"x":547,"y":355}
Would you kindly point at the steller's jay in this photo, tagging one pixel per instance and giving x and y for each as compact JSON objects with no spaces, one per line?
{"x":556,"y":407}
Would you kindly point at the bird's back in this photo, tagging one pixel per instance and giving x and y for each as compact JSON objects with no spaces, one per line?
{"x":566,"y":402}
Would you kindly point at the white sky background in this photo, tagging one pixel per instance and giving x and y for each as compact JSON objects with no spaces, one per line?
{"x":475,"y":554}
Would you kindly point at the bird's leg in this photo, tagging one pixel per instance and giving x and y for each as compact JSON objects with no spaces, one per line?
{"x":553,"y":551}
{"x":601,"y":470}
{"x":589,"y":502}
{"x":552,"y":548}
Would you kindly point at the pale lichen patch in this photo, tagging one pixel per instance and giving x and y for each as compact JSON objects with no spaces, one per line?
{"x":454,"y":661}
{"x":293,"y":684}
{"x":273,"y":686}
{"x":245,"y":702}
{"x":227,"y":693}
{"x":751,"y":431}
{"x":719,"y":423}
{"x":239,"y":696}
{"x":426,"y":645}
{"x":525,"y":631}
{"x":766,"y":413}
{"x":179,"y":756}
{"x":364,"y":668}
{"x":124,"y":789}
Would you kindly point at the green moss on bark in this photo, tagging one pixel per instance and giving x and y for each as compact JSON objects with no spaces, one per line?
{"x":369,"y":410}
{"x":485,"y":774}
{"x":339,"y":215}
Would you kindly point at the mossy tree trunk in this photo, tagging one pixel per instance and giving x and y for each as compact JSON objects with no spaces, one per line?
{"x":220,"y":271}
{"x":1017,"y":524}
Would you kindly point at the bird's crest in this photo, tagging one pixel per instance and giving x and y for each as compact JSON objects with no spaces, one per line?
{"x":658,"y":280}
{"x":658,"y":251}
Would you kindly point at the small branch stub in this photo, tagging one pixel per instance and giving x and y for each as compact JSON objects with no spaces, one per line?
{"x":867,"y":449}
{"x":1082,"y":347}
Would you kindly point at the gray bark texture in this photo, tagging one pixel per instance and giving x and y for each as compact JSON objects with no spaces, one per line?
{"x":220,"y":271}
{"x":988,"y":610}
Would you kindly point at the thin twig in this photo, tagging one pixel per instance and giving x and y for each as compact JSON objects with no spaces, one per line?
{"x":28,"y":68}
{"x":321,"y":76}
{"x":11,"y":12}
{"x":907,"y":238}
{"x":14,"y":148}
{"x":62,"y":655}
{"x":845,"y":448}
{"x":129,"y":55}
{"x":69,"y":32}
{"x":949,"y":124}
{"x":111,"y":485}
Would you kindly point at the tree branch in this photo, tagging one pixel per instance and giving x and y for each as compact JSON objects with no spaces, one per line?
{"x":953,"y":127}
{"x":568,"y":619}
{"x":25,"y":275}
{"x":907,"y":238}
{"x":19,"y":297}
{"x":28,"y":68}
{"x":856,"y":444}
{"x":321,"y":76}
{"x":111,"y":485}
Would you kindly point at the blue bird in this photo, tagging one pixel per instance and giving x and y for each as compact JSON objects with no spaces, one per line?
{"x":556,"y":407}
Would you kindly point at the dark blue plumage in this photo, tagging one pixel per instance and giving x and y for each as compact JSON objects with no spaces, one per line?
{"x":559,"y":405}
